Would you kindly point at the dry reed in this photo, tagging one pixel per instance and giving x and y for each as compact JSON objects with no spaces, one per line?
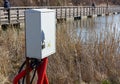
{"x":11,"y":53}
{"x":73,"y":63}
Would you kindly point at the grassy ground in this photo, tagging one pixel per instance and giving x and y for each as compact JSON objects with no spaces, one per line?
{"x":73,"y":63}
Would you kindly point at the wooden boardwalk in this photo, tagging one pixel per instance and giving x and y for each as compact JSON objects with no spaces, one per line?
{"x":62,"y":12}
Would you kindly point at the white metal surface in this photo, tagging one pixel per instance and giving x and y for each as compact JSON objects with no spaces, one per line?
{"x":40,"y":26}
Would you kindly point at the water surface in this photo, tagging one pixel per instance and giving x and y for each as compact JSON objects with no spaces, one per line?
{"x":92,"y":29}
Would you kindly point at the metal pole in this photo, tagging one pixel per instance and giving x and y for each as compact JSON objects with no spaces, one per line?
{"x":27,"y":71}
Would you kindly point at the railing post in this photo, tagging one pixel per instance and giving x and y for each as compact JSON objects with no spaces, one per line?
{"x":101,"y":10}
{"x":73,"y":11}
{"x":61,"y":12}
{"x":69,"y":12}
{"x":104,"y":10}
{"x":111,"y":10}
{"x":65,"y":12}
{"x":56,"y":13}
{"x":8,"y":10}
{"x":80,"y":11}
{"x":77,"y":12}
{"x":97,"y":10}
{"x":83,"y":11}
{"x":93,"y":10}
{"x":0,"y":17}
{"x":88,"y":11}
{"x":17,"y":15}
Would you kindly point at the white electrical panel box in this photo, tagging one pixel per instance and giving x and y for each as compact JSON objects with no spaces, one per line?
{"x":40,"y":33}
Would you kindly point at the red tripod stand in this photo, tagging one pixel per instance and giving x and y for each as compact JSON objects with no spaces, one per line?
{"x":41,"y":72}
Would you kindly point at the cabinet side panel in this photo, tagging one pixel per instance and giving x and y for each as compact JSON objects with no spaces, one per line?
{"x":33,"y":37}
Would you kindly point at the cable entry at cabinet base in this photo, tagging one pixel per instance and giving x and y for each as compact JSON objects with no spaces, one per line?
{"x":36,"y":66}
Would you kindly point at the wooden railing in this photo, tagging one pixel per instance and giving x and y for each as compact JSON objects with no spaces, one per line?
{"x":16,"y":14}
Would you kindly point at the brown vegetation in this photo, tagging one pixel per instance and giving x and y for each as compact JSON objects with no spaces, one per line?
{"x":11,"y":54}
{"x":89,"y":62}
{"x":59,"y":2}
{"x":74,"y":61}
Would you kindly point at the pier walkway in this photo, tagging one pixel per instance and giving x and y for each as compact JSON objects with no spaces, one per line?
{"x":16,"y":14}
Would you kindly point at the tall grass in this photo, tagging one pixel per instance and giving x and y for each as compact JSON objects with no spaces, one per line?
{"x":74,"y":62}
{"x":11,"y":54}
{"x":92,"y":61}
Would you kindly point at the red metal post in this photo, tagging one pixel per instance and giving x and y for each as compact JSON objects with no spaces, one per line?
{"x":41,"y":72}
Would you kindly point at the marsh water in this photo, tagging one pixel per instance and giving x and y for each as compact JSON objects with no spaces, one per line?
{"x":92,"y":29}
